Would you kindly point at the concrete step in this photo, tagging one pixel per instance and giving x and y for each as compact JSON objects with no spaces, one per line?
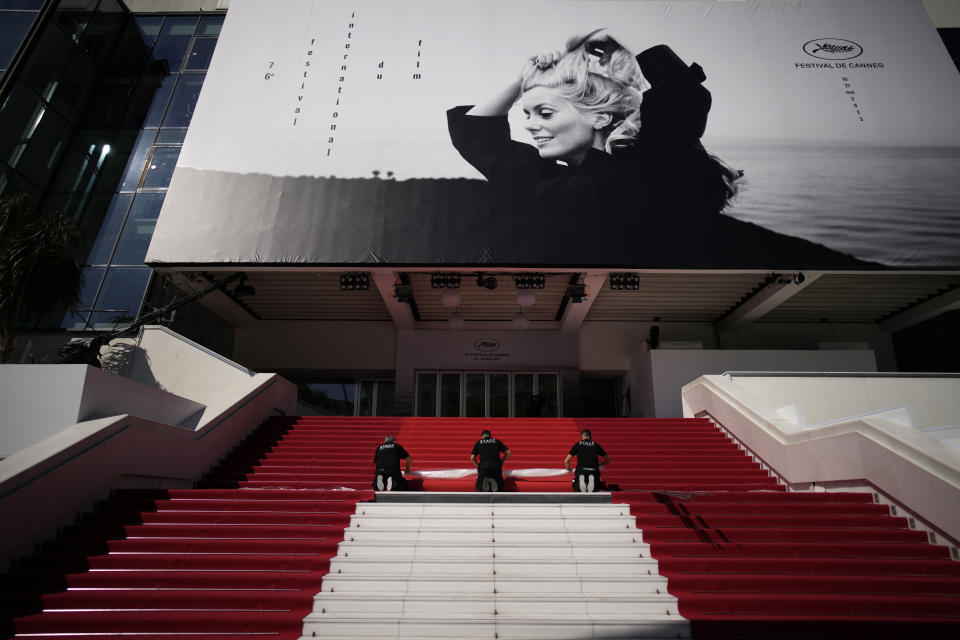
{"x":545,"y":606}
{"x":495,"y":509}
{"x":502,"y":586}
{"x":500,"y":550}
{"x":498,"y":522}
{"x":362,"y":627}
{"x":558,"y":567}
{"x":509,"y":536}
{"x":494,"y":570}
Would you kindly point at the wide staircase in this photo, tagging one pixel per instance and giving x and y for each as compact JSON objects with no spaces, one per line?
{"x":246,"y":553}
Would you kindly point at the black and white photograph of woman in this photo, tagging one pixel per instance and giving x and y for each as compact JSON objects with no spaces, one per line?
{"x":615,"y":167}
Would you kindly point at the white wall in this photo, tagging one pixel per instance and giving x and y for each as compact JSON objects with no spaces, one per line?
{"x":668,"y":370}
{"x":44,"y":485}
{"x":913,"y":469}
{"x":923,"y":403}
{"x":40,"y":400}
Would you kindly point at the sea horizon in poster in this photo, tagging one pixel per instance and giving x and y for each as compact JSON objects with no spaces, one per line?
{"x":349,"y":160}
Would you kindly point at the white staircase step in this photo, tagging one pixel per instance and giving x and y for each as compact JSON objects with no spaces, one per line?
{"x":511,"y":536}
{"x":558,"y":567}
{"x":499,"y":510}
{"x":501,"y":550}
{"x":653,"y":627}
{"x":486,"y":521}
{"x":494,"y":570}
{"x":600,"y":586}
{"x":545,"y":606}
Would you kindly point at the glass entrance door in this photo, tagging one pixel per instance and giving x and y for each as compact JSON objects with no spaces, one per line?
{"x":494,"y":394}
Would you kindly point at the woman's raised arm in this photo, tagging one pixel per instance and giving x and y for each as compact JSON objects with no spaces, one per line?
{"x":501,"y":102}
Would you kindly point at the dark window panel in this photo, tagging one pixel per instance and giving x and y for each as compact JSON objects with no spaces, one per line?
{"x":120,"y":297}
{"x":19,"y":117}
{"x":173,"y":41}
{"x":43,"y":69}
{"x":14,"y":26}
{"x":110,"y":6}
{"x":184,"y":100}
{"x":159,"y":103}
{"x":115,"y":163}
{"x":200,"y":54}
{"x":90,"y":220}
{"x":73,"y":23}
{"x":12,"y":182}
{"x":210,"y":26}
{"x":499,"y":395}
{"x":45,"y":147}
{"x":101,"y":33}
{"x":130,"y":57}
{"x":365,"y":398}
{"x":149,"y":28}
{"x":385,"y":398}
{"x":21,"y":4}
{"x":137,"y":158}
{"x":450,"y":395}
{"x":138,"y":229}
{"x":160,"y":169}
{"x":327,"y":398}
{"x":75,"y":317}
{"x":75,"y":86}
{"x":522,"y":395}
{"x":109,"y":229}
{"x":426,"y":394}
{"x":171,"y":136}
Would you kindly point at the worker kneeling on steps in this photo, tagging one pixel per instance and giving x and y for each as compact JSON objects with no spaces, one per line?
{"x":590,"y":457}
{"x":486,"y":458}
{"x":387,"y":461}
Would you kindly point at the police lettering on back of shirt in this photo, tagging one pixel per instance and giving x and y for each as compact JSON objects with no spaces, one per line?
{"x":489,"y":449}
{"x":588,"y":454}
{"x":389,"y":455}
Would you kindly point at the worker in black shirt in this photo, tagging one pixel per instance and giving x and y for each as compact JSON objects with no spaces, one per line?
{"x":486,"y":458}
{"x":589,"y":454}
{"x":387,"y":461}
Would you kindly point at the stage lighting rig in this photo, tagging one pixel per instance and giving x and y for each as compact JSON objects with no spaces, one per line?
{"x":529,"y":280}
{"x":624,"y":281}
{"x":354,"y":281}
{"x":445,"y":280}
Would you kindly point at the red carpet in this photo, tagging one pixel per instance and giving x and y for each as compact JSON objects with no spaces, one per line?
{"x":243,"y":554}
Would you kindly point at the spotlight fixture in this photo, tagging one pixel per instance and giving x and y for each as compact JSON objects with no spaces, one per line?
{"x":529,"y":280}
{"x":487,"y":282}
{"x":354,"y":281}
{"x":445,"y":280}
{"x":577,"y":292}
{"x":403,"y":292}
{"x":624,"y":281}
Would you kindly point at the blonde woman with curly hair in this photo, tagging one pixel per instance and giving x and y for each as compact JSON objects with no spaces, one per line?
{"x":606,"y":127}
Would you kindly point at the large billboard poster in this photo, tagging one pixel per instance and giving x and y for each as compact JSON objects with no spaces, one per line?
{"x":800,"y":134}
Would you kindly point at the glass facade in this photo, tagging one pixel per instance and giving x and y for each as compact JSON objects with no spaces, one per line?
{"x":453,"y":394}
{"x":92,"y":119}
{"x":346,"y":397}
{"x":181,"y":46}
{"x":16,"y":19}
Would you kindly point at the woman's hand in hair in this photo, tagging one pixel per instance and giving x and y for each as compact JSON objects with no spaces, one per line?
{"x":545,"y":60}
